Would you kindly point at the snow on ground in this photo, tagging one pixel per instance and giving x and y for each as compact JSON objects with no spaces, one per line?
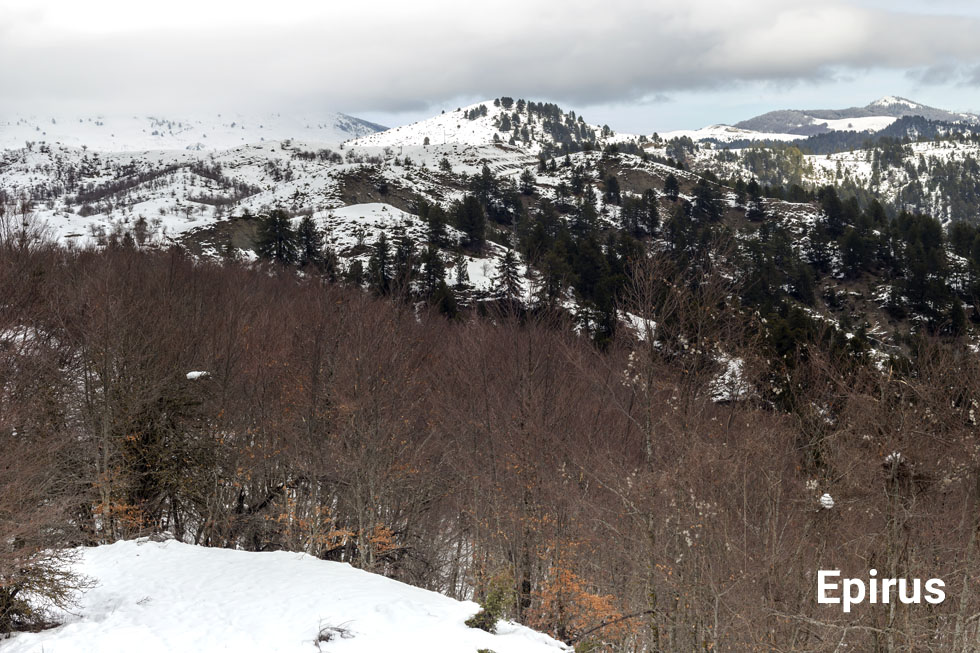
{"x":109,"y":132}
{"x":727,"y":134}
{"x":869,"y":123}
{"x":453,"y":127}
{"x":157,"y":597}
{"x":445,"y":128}
{"x":890,"y":100}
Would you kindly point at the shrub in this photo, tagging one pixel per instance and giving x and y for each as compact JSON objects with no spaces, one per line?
{"x":499,"y":594}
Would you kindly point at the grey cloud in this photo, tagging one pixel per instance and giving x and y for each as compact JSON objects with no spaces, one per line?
{"x":571,"y":52}
{"x":940,"y":74}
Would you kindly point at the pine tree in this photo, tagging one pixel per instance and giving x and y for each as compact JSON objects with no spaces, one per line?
{"x":444,"y":300}
{"x":436,"y":228}
{"x":556,"y":274}
{"x":433,"y":271}
{"x":833,"y":210}
{"x":471,"y":220}
{"x":379,"y":266}
{"x":310,"y":244}
{"x":276,"y":239}
{"x":612,"y":194}
{"x":707,"y":202}
{"x":672,"y":188}
{"x":507,"y":283}
{"x":650,"y":217}
{"x":404,"y":265}
{"x":527,"y":182}
{"x":461,"y":271}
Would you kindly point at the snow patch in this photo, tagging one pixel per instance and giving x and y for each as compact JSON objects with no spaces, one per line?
{"x":157,"y":597}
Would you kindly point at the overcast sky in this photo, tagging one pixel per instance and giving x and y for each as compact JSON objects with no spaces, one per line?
{"x":637,"y":66}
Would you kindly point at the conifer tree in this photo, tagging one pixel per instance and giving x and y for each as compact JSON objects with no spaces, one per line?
{"x":471,"y":220}
{"x":461,"y":271}
{"x":707,"y":202}
{"x":310,"y":244}
{"x":355,"y":273}
{"x":444,"y":300}
{"x":672,"y":188}
{"x":379,"y":266}
{"x":650,"y":217}
{"x":527,"y":182}
{"x":404,"y":265}
{"x":276,"y":240}
{"x":436,"y":227}
{"x":556,"y":274}
{"x":433,"y":271}
{"x":612,"y":194}
{"x":507,"y":283}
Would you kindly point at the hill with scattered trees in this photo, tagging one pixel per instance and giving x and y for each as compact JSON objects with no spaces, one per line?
{"x":601,"y":384}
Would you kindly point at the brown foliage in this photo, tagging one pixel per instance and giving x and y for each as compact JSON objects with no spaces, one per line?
{"x":602,"y":485}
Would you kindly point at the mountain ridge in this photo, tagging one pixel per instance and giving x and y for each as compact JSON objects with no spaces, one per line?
{"x":135,"y":132}
{"x":871,"y":117}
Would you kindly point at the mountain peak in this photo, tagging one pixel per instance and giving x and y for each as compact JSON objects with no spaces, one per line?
{"x":892,"y":100}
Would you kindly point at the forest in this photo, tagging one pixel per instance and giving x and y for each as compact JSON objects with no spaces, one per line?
{"x":615,"y":496}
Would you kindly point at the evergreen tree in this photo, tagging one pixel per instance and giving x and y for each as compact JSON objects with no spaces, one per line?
{"x":436,"y":226}
{"x":672,"y":188}
{"x":471,"y":220}
{"x":379,"y":266}
{"x":855,"y":253}
{"x":445,"y":301}
{"x":833,"y":210}
{"x":433,"y":271}
{"x":461,"y":271}
{"x":310,"y":244}
{"x":612,"y":194}
{"x":527,"y":182}
{"x":507,"y":283}
{"x":650,"y":217}
{"x":276,"y":239}
{"x":404,"y":265}
{"x":556,"y":274}
{"x":707,"y":204}
{"x":484,"y":186}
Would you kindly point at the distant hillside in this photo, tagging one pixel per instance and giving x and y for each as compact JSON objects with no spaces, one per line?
{"x":873,"y":117}
{"x":122,"y":133}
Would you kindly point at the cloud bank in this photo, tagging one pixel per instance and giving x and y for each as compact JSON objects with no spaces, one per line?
{"x":398,"y":56}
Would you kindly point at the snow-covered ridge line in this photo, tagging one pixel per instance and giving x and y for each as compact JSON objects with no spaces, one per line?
{"x":127,"y":133}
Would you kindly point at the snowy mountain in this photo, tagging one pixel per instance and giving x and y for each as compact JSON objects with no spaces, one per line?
{"x":156,"y":177}
{"x":873,"y":117}
{"x":499,"y":121}
{"x":108,"y":132}
{"x":163,"y":597}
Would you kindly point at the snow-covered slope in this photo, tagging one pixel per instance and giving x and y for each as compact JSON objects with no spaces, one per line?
{"x":726,"y":134}
{"x":485,"y":123}
{"x":170,"y":597}
{"x":159,"y":132}
{"x":450,"y":127}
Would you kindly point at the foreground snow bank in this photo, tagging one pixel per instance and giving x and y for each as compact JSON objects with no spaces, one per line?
{"x":153,"y":597}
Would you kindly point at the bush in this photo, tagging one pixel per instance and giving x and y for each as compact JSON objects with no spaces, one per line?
{"x":499,"y":594}
{"x":28,"y":594}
